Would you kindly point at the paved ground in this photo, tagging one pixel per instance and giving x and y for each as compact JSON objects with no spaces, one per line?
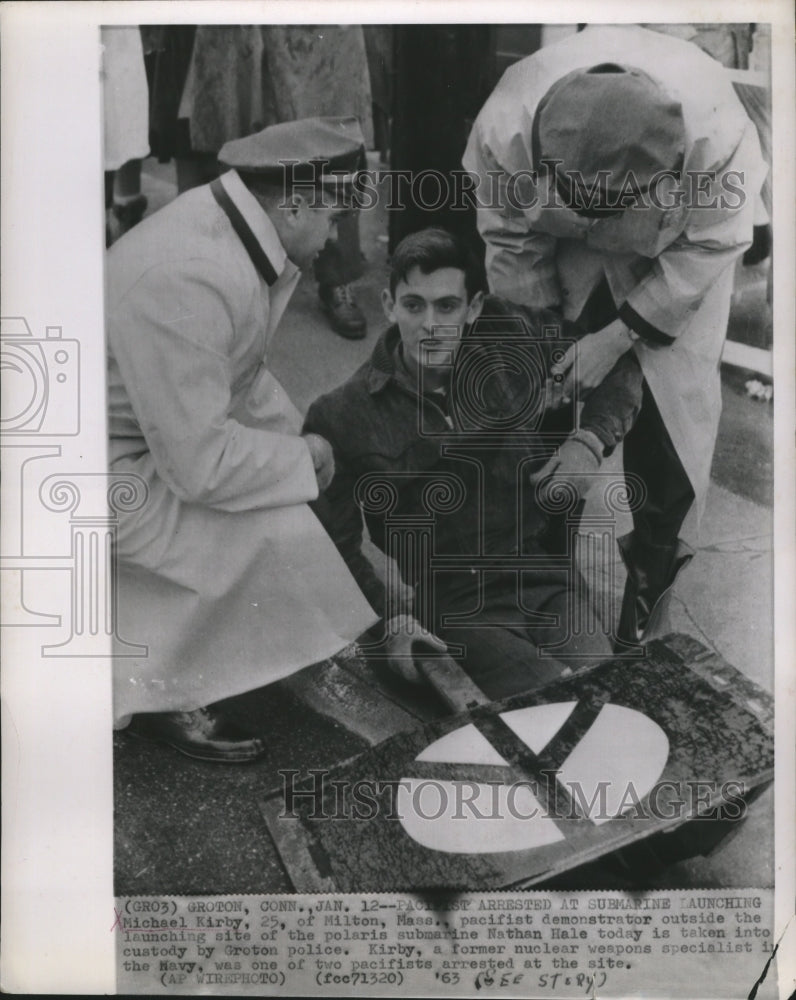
{"x":184,"y":827}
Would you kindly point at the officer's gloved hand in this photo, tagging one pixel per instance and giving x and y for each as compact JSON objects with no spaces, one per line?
{"x":403,"y":631}
{"x":575,"y":462}
{"x":322,"y":459}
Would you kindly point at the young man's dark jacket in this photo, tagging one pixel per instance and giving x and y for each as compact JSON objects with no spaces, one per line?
{"x":377,"y":423}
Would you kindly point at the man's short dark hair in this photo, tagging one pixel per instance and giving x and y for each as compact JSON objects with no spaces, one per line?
{"x":432,"y":249}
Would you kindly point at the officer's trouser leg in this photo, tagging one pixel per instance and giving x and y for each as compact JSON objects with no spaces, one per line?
{"x":653,"y":553}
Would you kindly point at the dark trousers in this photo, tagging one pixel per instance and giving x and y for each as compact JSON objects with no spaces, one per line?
{"x":340,"y":261}
{"x":648,"y":450}
{"x":502,"y":652}
{"x":650,"y":454}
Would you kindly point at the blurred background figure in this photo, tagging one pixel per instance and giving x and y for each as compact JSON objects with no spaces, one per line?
{"x":125,"y":101}
{"x":212,"y":84}
{"x":168,"y":54}
{"x":381,"y":67}
{"x":323,"y":70}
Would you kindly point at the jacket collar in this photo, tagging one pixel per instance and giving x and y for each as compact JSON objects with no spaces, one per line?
{"x":264,"y":239}
{"x":384,"y":361}
{"x":387,"y":364}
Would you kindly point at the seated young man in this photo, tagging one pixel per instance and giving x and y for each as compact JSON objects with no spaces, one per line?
{"x":455,"y":394}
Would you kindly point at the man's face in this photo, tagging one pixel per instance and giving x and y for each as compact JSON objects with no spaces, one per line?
{"x":313,"y":223}
{"x":431,"y":307}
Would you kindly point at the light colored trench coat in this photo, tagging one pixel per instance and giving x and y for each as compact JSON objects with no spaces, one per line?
{"x":224,"y":574}
{"x":674,"y":268}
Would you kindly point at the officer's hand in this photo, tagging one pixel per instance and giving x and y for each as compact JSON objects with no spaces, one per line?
{"x":596,"y":355}
{"x":403,"y":631}
{"x":574,"y":464}
{"x":322,"y":459}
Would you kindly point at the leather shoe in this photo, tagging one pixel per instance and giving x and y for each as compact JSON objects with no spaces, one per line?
{"x":203,"y":734}
{"x":344,"y":314}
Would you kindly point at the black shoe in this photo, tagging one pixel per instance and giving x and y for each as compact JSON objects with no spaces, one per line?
{"x":202,"y":734}
{"x":344,"y":314}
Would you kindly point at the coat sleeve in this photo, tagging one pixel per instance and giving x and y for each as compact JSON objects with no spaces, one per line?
{"x":338,"y":512}
{"x":172,"y":336}
{"x":610,"y":409}
{"x":660,"y":306}
{"x":520,"y":263}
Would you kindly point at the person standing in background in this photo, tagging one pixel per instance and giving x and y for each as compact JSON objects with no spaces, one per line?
{"x":238,"y":79}
{"x":379,"y":40}
{"x":125,"y":100}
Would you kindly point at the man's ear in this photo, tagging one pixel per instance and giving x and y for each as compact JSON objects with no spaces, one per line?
{"x":388,"y":305}
{"x":475,"y":307}
{"x":296,"y":207}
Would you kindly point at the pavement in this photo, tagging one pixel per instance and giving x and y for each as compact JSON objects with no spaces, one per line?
{"x":187,"y":827}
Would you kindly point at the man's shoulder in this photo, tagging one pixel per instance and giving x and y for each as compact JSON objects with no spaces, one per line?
{"x":187,"y":237}
{"x":353,"y":392}
{"x":352,"y":400}
{"x":359,"y":414}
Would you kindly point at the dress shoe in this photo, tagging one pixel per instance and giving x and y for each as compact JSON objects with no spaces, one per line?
{"x":203,"y":734}
{"x":344,"y":314}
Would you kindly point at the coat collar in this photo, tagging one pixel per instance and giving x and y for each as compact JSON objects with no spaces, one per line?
{"x":265,"y":247}
{"x":385,"y":361}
